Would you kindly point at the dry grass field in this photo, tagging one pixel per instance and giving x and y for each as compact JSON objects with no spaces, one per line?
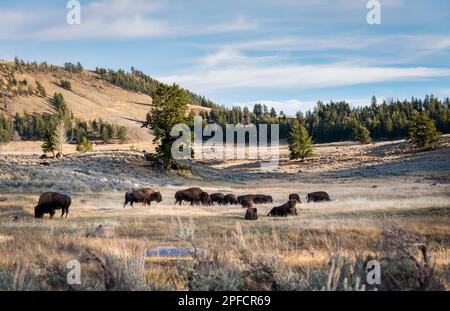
{"x":387,"y":204}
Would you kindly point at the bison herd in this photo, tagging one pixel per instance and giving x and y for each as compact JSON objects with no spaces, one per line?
{"x":49,"y":202}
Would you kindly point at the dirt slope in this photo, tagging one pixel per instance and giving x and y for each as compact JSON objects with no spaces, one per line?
{"x":90,"y":98}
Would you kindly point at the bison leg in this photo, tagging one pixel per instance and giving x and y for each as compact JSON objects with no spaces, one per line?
{"x":63,"y":211}
{"x":67,"y":212}
{"x":52,"y":213}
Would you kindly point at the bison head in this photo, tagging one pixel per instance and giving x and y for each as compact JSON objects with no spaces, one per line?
{"x":38,"y":213}
{"x":205,"y":198}
{"x":157,"y":196}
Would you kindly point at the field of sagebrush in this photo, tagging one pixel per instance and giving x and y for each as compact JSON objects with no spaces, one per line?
{"x":404,"y":225}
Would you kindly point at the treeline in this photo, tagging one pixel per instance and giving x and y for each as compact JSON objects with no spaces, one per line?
{"x":388,"y":120}
{"x":138,"y":81}
{"x":338,"y":121}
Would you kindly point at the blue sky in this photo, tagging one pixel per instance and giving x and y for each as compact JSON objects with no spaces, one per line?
{"x":285,"y":53}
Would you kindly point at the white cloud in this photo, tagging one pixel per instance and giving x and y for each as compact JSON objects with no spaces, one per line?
{"x":298,"y":76}
{"x":115,"y":19}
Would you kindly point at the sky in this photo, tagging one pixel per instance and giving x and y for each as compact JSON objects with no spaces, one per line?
{"x":287,"y":54}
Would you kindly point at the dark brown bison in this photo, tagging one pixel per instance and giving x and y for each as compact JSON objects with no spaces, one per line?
{"x":230,"y":199}
{"x":284,"y":210}
{"x":193,"y":195}
{"x":295,"y":197}
{"x":318,"y":196}
{"x":246,"y":200}
{"x":217,"y":197}
{"x":256,"y":198}
{"x":142,"y":195}
{"x":262,"y":199}
{"x":251,"y":214}
{"x":49,"y":202}
{"x":243,"y":199}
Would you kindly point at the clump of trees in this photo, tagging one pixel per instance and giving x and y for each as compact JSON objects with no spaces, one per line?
{"x":300,"y":143}
{"x":6,"y":129}
{"x":169,"y":108}
{"x":422,"y":131}
{"x":74,"y":68}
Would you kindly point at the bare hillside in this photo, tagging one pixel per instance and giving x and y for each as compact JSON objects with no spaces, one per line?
{"x":90,"y":98}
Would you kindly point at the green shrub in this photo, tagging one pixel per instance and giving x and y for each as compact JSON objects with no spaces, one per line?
{"x":85,"y":145}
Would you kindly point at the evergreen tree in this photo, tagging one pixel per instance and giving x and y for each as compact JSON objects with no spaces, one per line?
{"x":85,"y":145}
{"x":50,"y":143}
{"x":273,"y":113}
{"x":361,"y":134}
{"x":300,"y":143}
{"x":423,"y":132}
{"x":169,"y":107}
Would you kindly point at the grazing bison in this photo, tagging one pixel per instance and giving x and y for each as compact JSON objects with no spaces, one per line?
{"x":217,"y":197}
{"x":251,"y":213}
{"x":284,"y":210}
{"x":49,"y":202}
{"x":262,"y":199}
{"x":256,"y":198}
{"x":230,"y":199}
{"x":142,"y":195}
{"x":295,"y":197}
{"x":193,"y":195}
{"x":318,"y":196}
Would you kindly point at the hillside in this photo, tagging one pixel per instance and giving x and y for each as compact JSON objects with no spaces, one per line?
{"x":89,"y":98}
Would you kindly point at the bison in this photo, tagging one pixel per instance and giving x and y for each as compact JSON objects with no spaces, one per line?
{"x":318,"y":196}
{"x":284,"y":210}
{"x":246,"y":200}
{"x":295,"y":197}
{"x":142,"y":195}
{"x":49,"y":202}
{"x":251,"y":214}
{"x":230,"y":199}
{"x":217,"y":197}
{"x":262,"y":199}
{"x":256,"y":198}
{"x":193,"y":195}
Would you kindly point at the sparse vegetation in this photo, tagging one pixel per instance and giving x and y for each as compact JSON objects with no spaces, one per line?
{"x":65,"y":84}
{"x":40,"y":89}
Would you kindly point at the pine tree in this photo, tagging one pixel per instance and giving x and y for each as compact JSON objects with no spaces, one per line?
{"x":273,"y":113}
{"x":85,"y":145}
{"x":423,"y":132}
{"x":49,"y":144}
{"x":300,"y":143}
{"x":361,"y":134}
{"x":169,"y":107}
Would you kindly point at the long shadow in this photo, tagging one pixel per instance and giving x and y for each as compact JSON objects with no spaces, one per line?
{"x":406,"y":213}
{"x":141,"y":104}
{"x":134,"y":120}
